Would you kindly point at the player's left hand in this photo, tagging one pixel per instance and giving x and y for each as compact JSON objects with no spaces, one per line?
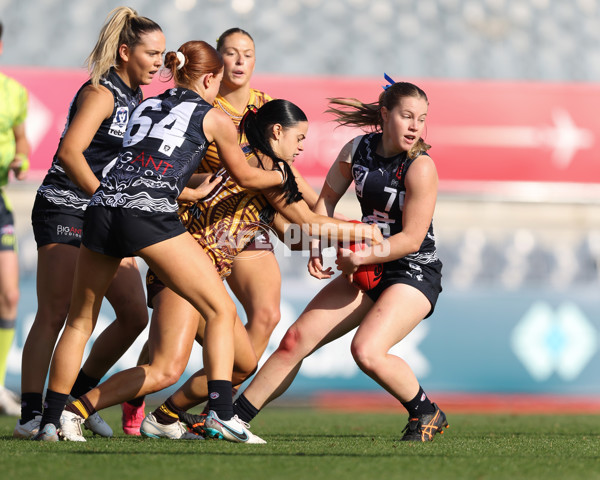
{"x":315,"y":268}
{"x":207,"y":186}
{"x":195,"y":194}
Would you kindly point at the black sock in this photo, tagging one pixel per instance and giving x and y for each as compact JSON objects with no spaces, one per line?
{"x":244,"y":409}
{"x":219,"y":398}
{"x":53,"y":407}
{"x":420,"y":405}
{"x":206,"y":408}
{"x":136,"y":402}
{"x":31,"y":406}
{"x":83,"y":384}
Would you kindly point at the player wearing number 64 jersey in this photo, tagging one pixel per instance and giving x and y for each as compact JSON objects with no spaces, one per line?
{"x":147,"y":176}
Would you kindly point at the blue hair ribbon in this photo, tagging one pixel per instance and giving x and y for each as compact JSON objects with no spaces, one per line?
{"x":389,"y":80}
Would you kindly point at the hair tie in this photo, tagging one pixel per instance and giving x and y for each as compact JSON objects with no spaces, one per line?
{"x":181,"y":58}
{"x":389,"y":80}
{"x":249,"y":109}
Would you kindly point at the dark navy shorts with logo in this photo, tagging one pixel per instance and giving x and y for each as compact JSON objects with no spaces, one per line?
{"x":56,"y":223}
{"x":427,"y":278}
{"x":121,"y":232}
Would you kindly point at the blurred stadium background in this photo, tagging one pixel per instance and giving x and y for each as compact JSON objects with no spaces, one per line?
{"x":514,"y":93}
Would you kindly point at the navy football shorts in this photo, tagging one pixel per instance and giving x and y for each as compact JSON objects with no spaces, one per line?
{"x":55,"y":223}
{"x":120,"y":232}
{"x":427,"y":278}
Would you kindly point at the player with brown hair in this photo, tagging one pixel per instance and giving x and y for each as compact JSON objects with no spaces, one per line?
{"x":396,"y":185}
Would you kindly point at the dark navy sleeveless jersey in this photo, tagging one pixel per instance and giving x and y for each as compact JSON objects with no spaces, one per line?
{"x":102,"y":152}
{"x":380,"y":189}
{"x":163,"y":146}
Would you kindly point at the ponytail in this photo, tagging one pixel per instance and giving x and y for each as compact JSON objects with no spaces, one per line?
{"x":256,"y":124}
{"x":192,"y":60}
{"x":354,"y":113}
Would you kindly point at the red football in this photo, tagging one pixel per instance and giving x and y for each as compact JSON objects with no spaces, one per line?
{"x":366,"y":277}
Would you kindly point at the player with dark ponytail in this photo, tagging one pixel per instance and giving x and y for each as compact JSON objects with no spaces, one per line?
{"x":396,"y":186}
{"x":255,"y":124}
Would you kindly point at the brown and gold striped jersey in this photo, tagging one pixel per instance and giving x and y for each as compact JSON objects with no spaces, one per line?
{"x":227,"y":219}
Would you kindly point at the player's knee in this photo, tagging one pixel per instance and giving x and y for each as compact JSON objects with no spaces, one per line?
{"x":165,"y":378}
{"x":51,"y":318}
{"x":228,"y":310}
{"x":265,"y":319}
{"x":365,"y":357}
{"x":133,"y":317}
{"x":225,"y":312}
{"x":290,"y":342}
{"x":136,"y":323}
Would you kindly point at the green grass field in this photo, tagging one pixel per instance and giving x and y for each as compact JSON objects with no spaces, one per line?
{"x":312,"y":444}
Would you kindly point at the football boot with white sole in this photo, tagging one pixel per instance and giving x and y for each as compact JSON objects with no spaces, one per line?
{"x":28,"y":429}
{"x":70,"y":427}
{"x":47,"y":434}
{"x":175,"y":431}
{"x":232,"y":430}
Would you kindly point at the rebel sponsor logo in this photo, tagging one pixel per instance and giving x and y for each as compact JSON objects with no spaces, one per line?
{"x":68,"y":231}
{"x":119,"y":124}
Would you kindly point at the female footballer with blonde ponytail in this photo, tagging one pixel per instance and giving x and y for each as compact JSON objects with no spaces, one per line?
{"x":128,"y":54}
